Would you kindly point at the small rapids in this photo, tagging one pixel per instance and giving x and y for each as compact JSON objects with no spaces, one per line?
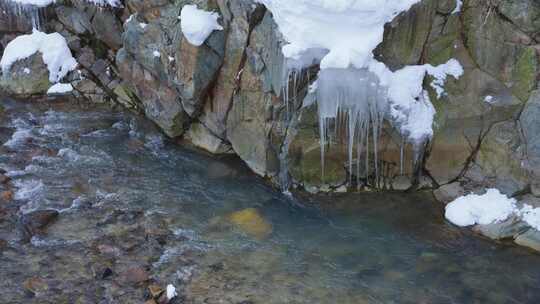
{"x":136,"y":210}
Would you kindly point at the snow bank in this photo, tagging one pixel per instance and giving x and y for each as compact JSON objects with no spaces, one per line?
{"x":198,"y":24}
{"x":342,"y":35}
{"x":482,"y":209}
{"x":53,"y":47}
{"x":60,"y":88}
{"x":531,"y":216}
{"x":348,"y":29}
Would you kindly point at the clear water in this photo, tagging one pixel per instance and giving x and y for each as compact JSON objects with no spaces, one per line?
{"x":119,"y":183}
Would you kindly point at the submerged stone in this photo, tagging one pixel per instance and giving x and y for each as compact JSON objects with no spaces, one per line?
{"x":251,"y":222}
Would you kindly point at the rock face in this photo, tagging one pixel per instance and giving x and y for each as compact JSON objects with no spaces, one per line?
{"x":227,"y":95}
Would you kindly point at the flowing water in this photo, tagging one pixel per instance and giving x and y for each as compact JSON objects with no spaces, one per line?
{"x":130,"y":199}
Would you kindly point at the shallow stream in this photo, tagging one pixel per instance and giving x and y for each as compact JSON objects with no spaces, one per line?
{"x":132,"y":204}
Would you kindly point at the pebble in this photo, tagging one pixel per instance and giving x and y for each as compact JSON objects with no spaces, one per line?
{"x":155,"y":291}
{"x":6,"y":196}
{"x":4,"y":179}
{"x":35,"y":222}
{"x":134,"y":276}
{"x":35,"y":285}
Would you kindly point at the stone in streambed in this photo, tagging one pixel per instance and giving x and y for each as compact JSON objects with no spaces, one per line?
{"x":251,"y":222}
{"x":35,"y":285}
{"x":35,"y":222}
{"x":155,"y":291}
{"x":134,"y":276}
{"x":6,"y":196}
{"x":531,"y":239}
{"x":4,"y":179}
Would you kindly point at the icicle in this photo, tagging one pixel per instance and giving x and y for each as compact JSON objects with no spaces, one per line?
{"x":353,"y":99}
{"x":22,"y":11}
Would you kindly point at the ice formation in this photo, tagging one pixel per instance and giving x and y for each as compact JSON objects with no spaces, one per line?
{"x":35,"y":8}
{"x":198,"y":24}
{"x":352,"y":86}
{"x":482,"y":209}
{"x":53,"y":47}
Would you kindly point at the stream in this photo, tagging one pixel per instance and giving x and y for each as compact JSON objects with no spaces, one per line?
{"x":137,"y":210}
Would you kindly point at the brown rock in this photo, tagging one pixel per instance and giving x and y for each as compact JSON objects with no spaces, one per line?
{"x":3,"y":244}
{"x":35,"y":222}
{"x":4,"y":179}
{"x":35,"y":285}
{"x":155,"y":291}
{"x":134,"y":276}
{"x":6,"y":196}
{"x":163,"y":299}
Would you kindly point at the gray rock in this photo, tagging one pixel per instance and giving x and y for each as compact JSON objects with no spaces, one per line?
{"x":201,"y":137}
{"x":509,"y":228}
{"x":26,"y":77}
{"x":35,"y":222}
{"x":531,"y":133}
{"x":449,"y":192}
{"x":530,"y":238}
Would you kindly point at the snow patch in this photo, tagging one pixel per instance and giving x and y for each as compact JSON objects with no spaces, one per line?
{"x":349,"y":29}
{"x":60,"y":88}
{"x":171,"y":292}
{"x":53,"y":47}
{"x":198,"y":24}
{"x":491,"y":207}
{"x":531,"y":216}
{"x":459,"y":5}
{"x":489,"y":99}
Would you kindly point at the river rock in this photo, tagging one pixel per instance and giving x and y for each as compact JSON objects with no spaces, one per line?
{"x":530,"y":238}
{"x":507,"y":229}
{"x":4,"y":179}
{"x":37,"y":221}
{"x":449,"y":192}
{"x":35,"y":285}
{"x":26,"y":77}
{"x":6,"y":196}
{"x":3,"y":245}
{"x":251,"y":222}
{"x":134,"y":276}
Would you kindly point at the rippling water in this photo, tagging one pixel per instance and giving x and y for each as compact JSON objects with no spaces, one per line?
{"x":128,"y":197}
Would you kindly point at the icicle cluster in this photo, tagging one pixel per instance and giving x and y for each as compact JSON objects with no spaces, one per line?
{"x":354,"y":101}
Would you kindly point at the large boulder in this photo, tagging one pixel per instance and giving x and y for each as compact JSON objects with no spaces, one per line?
{"x":26,"y":77}
{"x":255,"y":108}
